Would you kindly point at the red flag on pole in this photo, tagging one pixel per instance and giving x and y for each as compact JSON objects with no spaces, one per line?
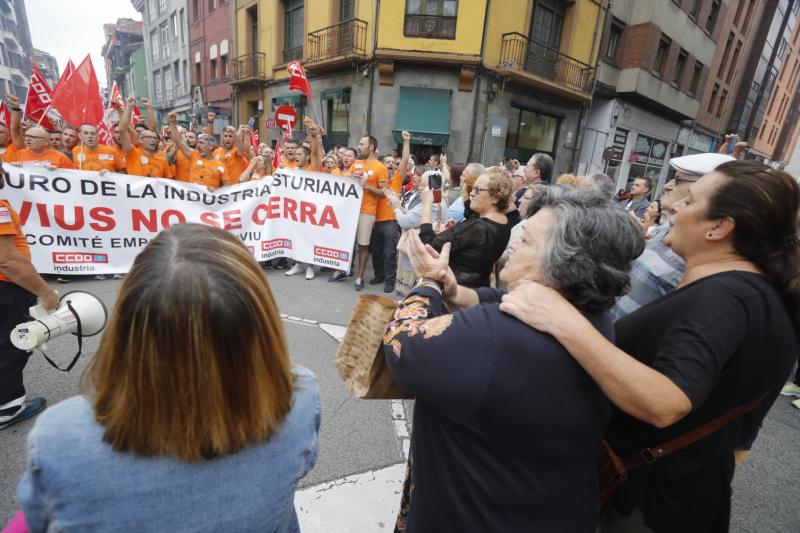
{"x":298,"y":80}
{"x":78,"y":98}
{"x":277,"y":160}
{"x":5,"y":115}
{"x":39,"y":100}
{"x":254,"y":139}
{"x":117,"y":101}
{"x":104,"y":133}
{"x":68,"y":70}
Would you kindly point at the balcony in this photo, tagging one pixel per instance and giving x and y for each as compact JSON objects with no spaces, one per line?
{"x":533,"y":63}
{"x":336,"y":44}
{"x":249,"y":69}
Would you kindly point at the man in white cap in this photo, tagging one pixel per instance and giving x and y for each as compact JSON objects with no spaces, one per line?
{"x":658,"y":270}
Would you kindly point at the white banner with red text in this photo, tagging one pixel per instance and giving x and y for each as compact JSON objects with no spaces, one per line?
{"x":80,"y":223}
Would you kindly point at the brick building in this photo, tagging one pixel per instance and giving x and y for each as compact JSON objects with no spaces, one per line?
{"x":210,"y":58}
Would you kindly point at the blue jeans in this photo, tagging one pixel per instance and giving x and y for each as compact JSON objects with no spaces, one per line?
{"x":383,"y":246}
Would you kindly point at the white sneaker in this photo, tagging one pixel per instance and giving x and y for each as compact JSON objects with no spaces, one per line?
{"x":295,"y":270}
{"x":310,"y":272}
{"x":790,"y":389}
{"x":796,"y":403}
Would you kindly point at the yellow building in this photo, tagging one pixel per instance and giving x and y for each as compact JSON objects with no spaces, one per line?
{"x":481,"y":80}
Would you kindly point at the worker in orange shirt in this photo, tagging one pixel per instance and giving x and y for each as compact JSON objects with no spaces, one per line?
{"x":230,"y":153}
{"x":348,"y":157}
{"x":181,"y":161}
{"x":204,"y":168}
{"x":289,"y":154}
{"x":90,"y":155}
{"x":145,"y":160}
{"x":117,"y":146}
{"x":37,"y":151}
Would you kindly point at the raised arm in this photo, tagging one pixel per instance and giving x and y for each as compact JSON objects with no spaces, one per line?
{"x":402,"y":168}
{"x":315,"y":142}
{"x":151,"y":117}
{"x":125,"y":126}
{"x":16,"y":132}
{"x":209,"y":128}
{"x":177,"y":136}
{"x":247,"y":173}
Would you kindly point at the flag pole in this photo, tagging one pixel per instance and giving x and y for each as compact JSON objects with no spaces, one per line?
{"x":44,"y":114}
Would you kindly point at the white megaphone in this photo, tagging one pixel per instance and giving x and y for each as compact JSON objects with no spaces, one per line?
{"x":78,"y":312}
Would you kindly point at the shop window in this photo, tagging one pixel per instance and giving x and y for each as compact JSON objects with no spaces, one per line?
{"x":431,"y":19}
{"x":337,"y":118}
{"x":530,"y":132}
{"x":618,"y":143}
{"x":647,"y":160}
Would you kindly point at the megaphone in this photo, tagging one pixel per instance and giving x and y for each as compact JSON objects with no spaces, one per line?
{"x":78,"y":312}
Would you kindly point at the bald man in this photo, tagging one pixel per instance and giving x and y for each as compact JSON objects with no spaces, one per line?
{"x":38,"y":151}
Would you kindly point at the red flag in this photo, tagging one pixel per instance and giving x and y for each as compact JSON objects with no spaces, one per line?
{"x":254,"y":139}
{"x":5,"y":115}
{"x":39,"y":99}
{"x":78,"y":98}
{"x":278,"y":159}
{"x":68,"y":70}
{"x":104,"y":133}
{"x":287,"y":131}
{"x":117,"y":101}
{"x":298,"y":80}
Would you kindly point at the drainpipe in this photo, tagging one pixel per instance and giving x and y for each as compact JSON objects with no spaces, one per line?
{"x":586,"y":109}
{"x":371,"y":64}
{"x":478,"y":88}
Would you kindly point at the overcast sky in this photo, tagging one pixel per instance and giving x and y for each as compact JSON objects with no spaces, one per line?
{"x":69,"y":29}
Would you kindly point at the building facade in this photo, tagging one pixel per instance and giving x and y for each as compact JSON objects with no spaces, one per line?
{"x":123,"y":39}
{"x":210,"y":54}
{"x":479,"y":81}
{"x":16,"y":48}
{"x":166,"y":47}
{"x":47,"y":64}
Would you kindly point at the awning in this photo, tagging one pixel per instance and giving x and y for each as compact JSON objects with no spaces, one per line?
{"x":336,"y":93}
{"x":425,"y":114}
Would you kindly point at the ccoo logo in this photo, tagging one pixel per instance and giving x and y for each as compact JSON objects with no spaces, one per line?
{"x":79,"y":258}
{"x":330,"y":253}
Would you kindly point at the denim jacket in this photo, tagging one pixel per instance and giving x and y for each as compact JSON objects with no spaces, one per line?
{"x":76,"y":482}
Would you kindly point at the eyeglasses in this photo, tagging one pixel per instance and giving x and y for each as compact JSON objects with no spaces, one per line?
{"x":478,"y":190}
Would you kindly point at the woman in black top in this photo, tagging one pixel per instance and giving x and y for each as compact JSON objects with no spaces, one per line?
{"x":507,"y":426}
{"x":725,"y":337}
{"x":476,"y":243}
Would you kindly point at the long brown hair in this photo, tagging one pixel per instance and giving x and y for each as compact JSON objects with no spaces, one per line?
{"x":764,"y":204}
{"x":194,"y":361}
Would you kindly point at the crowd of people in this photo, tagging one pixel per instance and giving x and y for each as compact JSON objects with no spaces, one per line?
{"x":543,"y":322}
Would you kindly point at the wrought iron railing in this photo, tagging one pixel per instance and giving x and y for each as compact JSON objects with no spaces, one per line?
{"x":293,"y":54}
{"x":249,"y":66}
{"x":343,"y":39}
{"x":521,"y":53}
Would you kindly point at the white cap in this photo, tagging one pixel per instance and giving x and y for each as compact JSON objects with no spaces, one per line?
{"x":699,"y":164}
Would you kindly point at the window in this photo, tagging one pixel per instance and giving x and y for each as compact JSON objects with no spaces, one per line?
{"x":213,"y":67}
{"x":614,"y":39}
{"x":722,"y":99}
{"x":173,"y":24}
{"x":168,"y":84}
{"x":547,"y":23}
{"x":747,"y":17}
{"x":4,"y":53}
{"x":739,"y":12}
{"x":431,"y":19}
{"x":212,"y":5}
{"x":157,"y":86}
{"x":162,"y":6}
{"x":529,"y":132}
{"x":661,"y":55}
{"x":151,"y":8}
{"x":713,"y":99}
{"x":154,"y":45}
{"x":337,"y":117}
{"x":198,"y":73}
{"x":164,"y":42}
{"x":176,"y":69}
{"x":696,"y":75}
{"x":711,"y":21}
{"x":186,"y":75}
{"x":724,"y":61}
{"x":347,"y":11}
{"x":252,"y":17}
{"x":782,"y":48}
{"x":647,"y":159}
{"x":680,"y":66}
{"x":195,"y":10}
{"x":223,"y":66}
{"x":734,"y":61}
{"x":293,"y":30}
{"x":694,"y":9}
{"x":182,"y":20}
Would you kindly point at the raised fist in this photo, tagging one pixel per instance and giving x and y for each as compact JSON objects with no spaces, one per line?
{"x":406,"y":136}
{"x":211,"y":117}
{"x":145,"y":102}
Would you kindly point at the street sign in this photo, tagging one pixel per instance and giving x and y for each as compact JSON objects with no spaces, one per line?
{"x":270,"y":124}
{"x":285,"y":113}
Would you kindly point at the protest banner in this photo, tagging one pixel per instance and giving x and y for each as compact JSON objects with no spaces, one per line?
{"x":79,"y":222}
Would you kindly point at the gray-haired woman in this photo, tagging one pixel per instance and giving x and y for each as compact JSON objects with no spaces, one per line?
{"x":507,"y":426}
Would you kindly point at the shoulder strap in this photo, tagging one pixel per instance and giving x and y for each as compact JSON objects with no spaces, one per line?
{"x":650,"y":455}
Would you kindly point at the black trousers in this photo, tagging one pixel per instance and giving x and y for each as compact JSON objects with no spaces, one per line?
{"x":383,"y":246}
{"x":14,"y":304}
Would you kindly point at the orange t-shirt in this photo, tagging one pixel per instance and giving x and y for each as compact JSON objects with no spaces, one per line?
{"x":384,"y":211}
{"x":181,"y":167}
{"x":285,"y":163}
{"x":373,"y":173}
{"x":10,"y":225}
{"x":234,"y":163}
{"x":102,"y":157}
{"x":9,"y":153}
{"x":206,"y":171}
{"x":54,"y":157}
{"x":140,"y":164}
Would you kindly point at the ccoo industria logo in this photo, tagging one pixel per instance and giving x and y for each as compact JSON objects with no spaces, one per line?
{"x":330,"y":253}
{"x":276,"y":244}
{"x":80,"y":258}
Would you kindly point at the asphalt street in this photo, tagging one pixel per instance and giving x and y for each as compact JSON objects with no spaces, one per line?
{"x":362,"y":436}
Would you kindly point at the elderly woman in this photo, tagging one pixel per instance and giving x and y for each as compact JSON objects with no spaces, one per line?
{"x":193,"y":418}
{"x":507,"y":428}
{"x":478,"y":242}
{"x":721,"y":344}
